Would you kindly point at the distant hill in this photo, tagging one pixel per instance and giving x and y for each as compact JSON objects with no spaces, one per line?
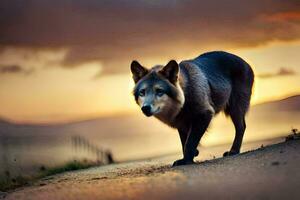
{"x":290,"y":104}
{"x":4,"y":121}
{"x":125,"y":133}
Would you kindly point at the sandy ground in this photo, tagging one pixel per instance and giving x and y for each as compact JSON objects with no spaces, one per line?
{"x":272,"y":172}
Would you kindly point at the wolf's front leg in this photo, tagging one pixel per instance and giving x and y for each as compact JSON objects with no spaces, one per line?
{"x":198,"y":129}
{"x":183,"y":134}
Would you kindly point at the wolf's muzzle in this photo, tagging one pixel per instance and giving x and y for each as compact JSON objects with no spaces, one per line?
{"x":147,"y":110}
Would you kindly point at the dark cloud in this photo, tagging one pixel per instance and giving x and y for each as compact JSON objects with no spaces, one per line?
{"x":281,"y":72}
{"x":114,"y":32}
{"x":14,"y":69}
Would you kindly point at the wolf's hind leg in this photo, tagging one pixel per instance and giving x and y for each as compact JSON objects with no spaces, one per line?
{"x":238,"y":105}
{"x":240,"y":126}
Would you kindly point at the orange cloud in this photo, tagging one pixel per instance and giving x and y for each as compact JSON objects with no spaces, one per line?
{"x":14,"y":69}
{"x":114,"y":32}
{"x":284,"y":16}
{"x":281,"y":72}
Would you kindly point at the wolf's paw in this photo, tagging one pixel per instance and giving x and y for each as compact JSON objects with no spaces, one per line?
{"x":196,"y":153}
{"x":230,"y":153}
{"x":182,"y":162}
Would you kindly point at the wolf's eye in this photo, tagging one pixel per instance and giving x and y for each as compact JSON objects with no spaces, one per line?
{"x":160,"y":92}
{"x":142,"y":93}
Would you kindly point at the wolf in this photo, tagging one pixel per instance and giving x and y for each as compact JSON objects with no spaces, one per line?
{"x":186,"y":96}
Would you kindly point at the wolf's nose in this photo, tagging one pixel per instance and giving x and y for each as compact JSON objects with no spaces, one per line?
{"x":147,"y":110}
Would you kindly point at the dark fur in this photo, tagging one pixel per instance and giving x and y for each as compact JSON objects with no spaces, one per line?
{"x":212,"y":82}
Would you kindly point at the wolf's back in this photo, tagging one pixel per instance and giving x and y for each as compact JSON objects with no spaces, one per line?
{"x":226,"y":65}
{"x":229,"y":77}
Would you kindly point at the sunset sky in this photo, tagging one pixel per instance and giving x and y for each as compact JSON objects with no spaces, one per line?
{"x":64,"y":60}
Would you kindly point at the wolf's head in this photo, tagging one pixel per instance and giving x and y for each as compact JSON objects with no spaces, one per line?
{"x":157,"y":90}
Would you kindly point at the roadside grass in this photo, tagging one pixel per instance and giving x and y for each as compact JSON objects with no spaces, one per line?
{"x":70,"y":166}
{"x":9,"y":183}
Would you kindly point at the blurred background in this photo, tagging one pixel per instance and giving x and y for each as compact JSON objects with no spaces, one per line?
{"x":65,"y":83}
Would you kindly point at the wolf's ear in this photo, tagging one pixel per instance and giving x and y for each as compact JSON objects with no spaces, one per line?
{"x":170,"y":71}
{"x":137,"y":70}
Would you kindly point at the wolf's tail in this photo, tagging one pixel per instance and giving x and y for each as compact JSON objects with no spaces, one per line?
{"x":242,"y":86}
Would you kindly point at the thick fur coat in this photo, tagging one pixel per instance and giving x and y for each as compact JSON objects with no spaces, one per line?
{"x":187,"y":95}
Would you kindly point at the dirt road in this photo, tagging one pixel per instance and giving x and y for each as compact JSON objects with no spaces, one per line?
{"x":268,"y":173}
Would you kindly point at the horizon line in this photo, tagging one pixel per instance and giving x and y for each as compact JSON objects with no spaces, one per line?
{"x":96,"y":116}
